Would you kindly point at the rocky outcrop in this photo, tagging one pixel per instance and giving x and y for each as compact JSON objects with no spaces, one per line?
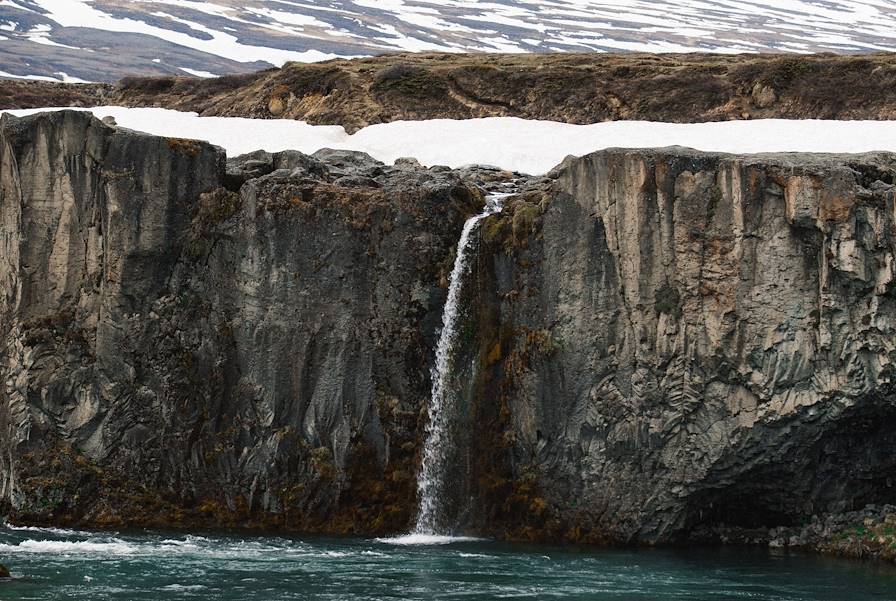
{"x":572,"y":88}
{"x":180,"y":353}
{"x":658,"y":345}
{"x":28,"y":93}
{"x":681,"y":341}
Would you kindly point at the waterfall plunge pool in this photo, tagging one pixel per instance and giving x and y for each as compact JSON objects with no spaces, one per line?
{"x":143,"y":566}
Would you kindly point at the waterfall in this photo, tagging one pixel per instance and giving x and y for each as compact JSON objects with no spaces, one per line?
{"x":431,"y":482}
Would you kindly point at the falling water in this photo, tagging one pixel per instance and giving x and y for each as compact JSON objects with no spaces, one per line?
{"x":431,"y":483}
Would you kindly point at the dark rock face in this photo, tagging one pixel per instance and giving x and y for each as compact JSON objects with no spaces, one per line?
{"x":681,"y":340}
{"x":662,"y":344}
{"x":178,"y":353}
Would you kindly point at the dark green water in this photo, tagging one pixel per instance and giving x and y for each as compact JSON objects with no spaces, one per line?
{"x":65,"y":564}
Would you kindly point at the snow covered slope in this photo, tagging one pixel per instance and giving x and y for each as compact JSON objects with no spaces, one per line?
{"x":527,"y":146}
{"x":105,"y":39}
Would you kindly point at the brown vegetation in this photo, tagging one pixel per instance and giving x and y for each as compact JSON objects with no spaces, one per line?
{"x":575,"y":88}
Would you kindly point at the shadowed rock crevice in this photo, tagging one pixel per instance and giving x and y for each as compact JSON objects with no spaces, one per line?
{"x":844,"y":468}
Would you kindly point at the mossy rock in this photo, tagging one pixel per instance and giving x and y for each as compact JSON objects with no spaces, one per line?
{"x":525,"y":218}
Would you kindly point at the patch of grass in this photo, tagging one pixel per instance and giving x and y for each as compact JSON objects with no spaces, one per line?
{"x":188,"y":147}
{"x":147,"y":85}
{"x":303,"y":80}
{"x":786,"y":71}
{"x":409,"y":80}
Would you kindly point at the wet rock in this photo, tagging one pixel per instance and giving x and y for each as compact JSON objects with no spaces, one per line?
{"x":4,"y":571}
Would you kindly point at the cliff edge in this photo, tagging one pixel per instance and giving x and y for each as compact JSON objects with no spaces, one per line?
{"x":659,"y":345}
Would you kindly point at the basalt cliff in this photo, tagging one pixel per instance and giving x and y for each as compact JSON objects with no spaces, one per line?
{"x":658,"y":345}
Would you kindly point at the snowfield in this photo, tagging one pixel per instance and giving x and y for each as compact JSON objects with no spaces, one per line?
{"x":106,"y":39}
{"x":533,"y":147}
{"x":486,"y":25}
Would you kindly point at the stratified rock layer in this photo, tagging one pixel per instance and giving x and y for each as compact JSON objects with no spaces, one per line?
{"x":683,"y":340}
{"x":657,"y":344}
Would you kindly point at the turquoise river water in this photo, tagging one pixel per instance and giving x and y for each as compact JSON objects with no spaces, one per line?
{"x":75,"y":565}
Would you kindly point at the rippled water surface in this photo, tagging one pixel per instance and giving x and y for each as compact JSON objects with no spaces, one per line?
{"x":66,"y":564}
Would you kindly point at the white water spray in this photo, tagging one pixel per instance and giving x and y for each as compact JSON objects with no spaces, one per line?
{"x":431,"y":482}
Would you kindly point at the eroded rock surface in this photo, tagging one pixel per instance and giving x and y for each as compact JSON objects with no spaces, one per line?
{"x":680,"y":340}
{"x":177,"y":352}
{"x":658,"y":344}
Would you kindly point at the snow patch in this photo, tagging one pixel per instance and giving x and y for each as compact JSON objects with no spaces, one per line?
{"x":196,"y":72}
{"x":80,"y":13}
{"x":533,"y":147}
{"x":284,"y":30}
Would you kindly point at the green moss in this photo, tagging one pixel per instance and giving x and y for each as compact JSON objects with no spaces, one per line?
{"x":408,"y":80}
{"x":495,"y":230}
{"x":786,"y":71}
{"x":525,"y":217}
{"x":544,"y":343}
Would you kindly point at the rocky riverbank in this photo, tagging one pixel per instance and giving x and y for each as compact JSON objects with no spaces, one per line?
{"x":869,"y":533}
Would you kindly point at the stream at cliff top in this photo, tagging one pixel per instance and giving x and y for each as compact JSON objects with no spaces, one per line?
{"x":67,"y":564}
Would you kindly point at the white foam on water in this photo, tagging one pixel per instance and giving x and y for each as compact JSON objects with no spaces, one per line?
{"x":64,"y":547}
{"x":53,"y":531}
{"x":427,"y":539}
{"x":183,"y":587}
